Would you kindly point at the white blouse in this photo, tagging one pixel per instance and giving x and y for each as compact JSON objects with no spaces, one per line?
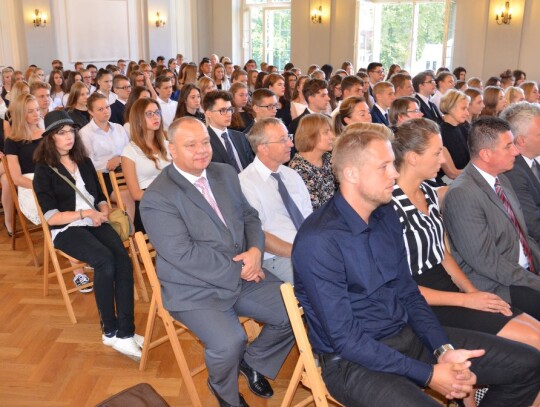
{"x":145,"y":168}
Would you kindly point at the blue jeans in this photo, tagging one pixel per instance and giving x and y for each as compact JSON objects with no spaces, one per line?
{"x":102,"y":249}
{"x":511,"y":369}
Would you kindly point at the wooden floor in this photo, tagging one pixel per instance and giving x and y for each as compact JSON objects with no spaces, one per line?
{"x":47,"y":361}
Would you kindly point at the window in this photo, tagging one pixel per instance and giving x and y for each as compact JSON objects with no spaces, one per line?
{"x":267,"y":31}
{"x":416,"y":34}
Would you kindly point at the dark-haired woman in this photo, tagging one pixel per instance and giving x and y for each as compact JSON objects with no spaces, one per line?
{"x":80,"y":229}
{"x":189,"y":103}
{"x":276,"y":83}
{"x":146,"y":155}
{"x":241,"y":117}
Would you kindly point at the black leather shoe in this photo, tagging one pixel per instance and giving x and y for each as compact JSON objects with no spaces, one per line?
{"x":257,"y":382}
{"x":223,"y":403}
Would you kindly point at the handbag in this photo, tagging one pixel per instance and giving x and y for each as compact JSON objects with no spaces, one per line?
{"x":118,"y":219}
{"x":141,"y":395}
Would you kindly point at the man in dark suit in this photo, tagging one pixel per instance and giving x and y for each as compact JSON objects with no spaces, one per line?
{"x":228,"y":146}
{"x":375,"y":71}
{"x":524,"y":120}
{"x":384,"y":95}
{"x":122,"y":89}
{"x":315,"y":92}
{"x":487,"y":230}
{"x":424,"y":86}
{"x":209,"y":244}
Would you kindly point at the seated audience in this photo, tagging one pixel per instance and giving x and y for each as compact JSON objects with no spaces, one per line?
{"x":404,"y":109}
{"x":264,"y":104}
{"x":104,"y":80}
{"x":530,"y":89}
{"x":276,"y":83}
{"x":315,"y":93}
{"x":494,"y":101}
{"x":335,"y":92}
{"x":513,"y":95}
{"x":424,"y":86}
{"x":164,"y":89}
{"x":195,"y":211}
{"x":122,"y":90}
{"x":314,"y":142}
{"x":486,"y":227}
{"x":476,"y":104}
{"x":206,"y":85}
{"x":76,"y":105}
{"x":218,"y":75}
{"x":145,"y":156}
{"x":298,"y":102}
{"x":460,"y":73}
{"x":520,"y":76}
{"x":277,"y":193}
{"x":376,"y":338}
{"x":493,"y":81}
{"x":189,"y":103}
{"x":475,"y":83}
{"x":138,"y":92}
{"x":242,"y":117}
{"x":58,"y":88}
{"x":79,"y":228}
{"x":354,"y":109}
{"x":384,"y":95}
{"x":402,"y":84}
{"x":444,"y":82}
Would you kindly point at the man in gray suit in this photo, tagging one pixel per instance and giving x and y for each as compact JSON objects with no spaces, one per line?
{"x":488,"y":234}
{"x":209,"y":244}
{"x":524,"y":119}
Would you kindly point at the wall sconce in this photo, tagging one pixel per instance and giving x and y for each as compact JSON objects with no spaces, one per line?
{"x":159,"y":21}
{"x":40,"y":19}
{"x":316,"y":15}
{"x":504,"y":15}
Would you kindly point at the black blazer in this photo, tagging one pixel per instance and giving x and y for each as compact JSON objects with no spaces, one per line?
{"x":117,"y":112}
{"x":240,"y":143}
{"x":527,"y":188}
{"x":378,"y":117}
{"x":430,"y":111}
{"x":294,"y":124}
{"x":53,"y":193}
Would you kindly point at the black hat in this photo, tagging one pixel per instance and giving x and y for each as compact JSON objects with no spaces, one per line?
{"x":56,"y":119}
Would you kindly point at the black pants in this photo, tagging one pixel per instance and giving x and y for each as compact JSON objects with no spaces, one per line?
{"x":511,"y":369}
{"x":102,"y":248}
{"x":526,"y":299}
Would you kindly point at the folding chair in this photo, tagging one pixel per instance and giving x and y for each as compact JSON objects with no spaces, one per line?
{"x":51,"y":254}
{"x":25,"y":230}
{"x":306,"y":371}
{"x":174,"y":328}
{"x":119,"y":183}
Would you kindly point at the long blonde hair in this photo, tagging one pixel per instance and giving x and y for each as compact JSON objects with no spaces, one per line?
{"x":20,"y":129}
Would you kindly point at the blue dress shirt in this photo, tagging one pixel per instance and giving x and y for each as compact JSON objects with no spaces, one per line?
{"x":354,"y":283}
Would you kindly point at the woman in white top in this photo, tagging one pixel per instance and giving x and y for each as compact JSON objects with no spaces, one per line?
{"x":104,"y":80}
{"x":218,"y":75}
{"x":146,"y":155}
{"x":104,"y":142}
{"x":58,"y":90}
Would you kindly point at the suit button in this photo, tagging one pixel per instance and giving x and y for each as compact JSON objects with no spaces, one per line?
{"x":236,"y":245}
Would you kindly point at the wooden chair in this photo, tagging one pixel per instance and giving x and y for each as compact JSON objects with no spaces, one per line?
{"x":51,"y":255}
{"x":174,"y":328}
{"x":306,"y":371}
{"x":24,"y":230}
{"x":119,"y":183}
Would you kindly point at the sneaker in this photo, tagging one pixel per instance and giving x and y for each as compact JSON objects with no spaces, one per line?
{"x":80,"y":280}
{"x":128,"y":347}
{"x":111,"y":340}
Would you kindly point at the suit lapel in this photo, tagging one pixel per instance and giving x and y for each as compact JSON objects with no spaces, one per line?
{"x":221,"y":194}
{"x":218,"y":150}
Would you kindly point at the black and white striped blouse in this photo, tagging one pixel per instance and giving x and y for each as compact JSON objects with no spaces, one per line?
{"x":423,"y":234}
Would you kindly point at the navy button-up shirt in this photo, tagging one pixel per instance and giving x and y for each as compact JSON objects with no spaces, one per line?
{"x":354,"y":283}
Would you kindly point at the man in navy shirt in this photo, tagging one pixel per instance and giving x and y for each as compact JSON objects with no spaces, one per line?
{"x":377,"y":339}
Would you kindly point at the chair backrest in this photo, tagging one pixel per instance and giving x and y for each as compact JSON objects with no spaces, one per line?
{"x":103,"y":186}
{"x":148,"y":253}
{"x":119,"y":184}
{"x":12,"y":186}
{"x":44,"y":225}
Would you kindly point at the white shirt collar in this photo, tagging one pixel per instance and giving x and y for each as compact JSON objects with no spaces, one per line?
{"x":424,"y":98}
{"x":529,"y":161}
{"x":262,"y":169}
{"x":190,"y":177}
{"x":219,"y":132}
{"x":490,"y":179}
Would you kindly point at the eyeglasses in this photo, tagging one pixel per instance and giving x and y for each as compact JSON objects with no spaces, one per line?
{"x":151,"y":114}
{"x":66,"y":132}
{"x":274,"y":106}
{"x":123,"y":87}
{"x":284,"y":140}
{"x":414,"y":111}
{"x":431,"y":81}
{"x":378,"y":72}
{"x":224,"y":110}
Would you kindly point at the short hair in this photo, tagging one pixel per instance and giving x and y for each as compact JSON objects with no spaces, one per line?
{"x":39,"y":85}
{"x":399,"y":79}
{"x":173,"y":128}
{"x":474,"y":82}
{"x":380,"y":87}
{"x":288,"y":66}
{"x":400,"y":107}
{"x":119,"y":78}
{"x":237,"y":73}
{"x":373,"y":65}
{"x":160,"y":58}
{"x":257,"y":134}
{"x":318,"y":74}
{"x":312,"y":87}
{"x":309,"y":131}
{"x":519,"y":116}
{"x":451,"y":98}
{"x":161,"y":79}
{"x":349,"y":146}
{"x":260,"y":94}
{"x":485,"y":132}
{"x":350,"y":81}
{"x":413,"y":135}
{"x":420,"y":79}
{"x":93,"y":98}
{"x":211,"y":97}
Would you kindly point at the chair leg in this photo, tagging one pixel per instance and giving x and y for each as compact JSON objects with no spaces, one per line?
{"x":29,"y":242}
{"x":293,"y":383}
{"x":45,"y":271}
{"x":137,"y":270}
{"x":152,"y":312}
{"x":63,"y":289}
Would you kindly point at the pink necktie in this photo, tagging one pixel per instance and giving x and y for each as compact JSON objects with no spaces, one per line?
{"x":202,"y":184}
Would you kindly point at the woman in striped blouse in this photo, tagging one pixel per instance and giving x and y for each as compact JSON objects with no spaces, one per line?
{"x":452,"y":297}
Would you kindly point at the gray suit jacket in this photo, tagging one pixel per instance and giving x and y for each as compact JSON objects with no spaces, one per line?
{"x":484,"y":241}
{"x":527,"y":188}
{"x":194,"y":248}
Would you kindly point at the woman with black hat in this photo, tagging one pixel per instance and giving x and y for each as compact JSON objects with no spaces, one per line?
{"x":81,"y":230}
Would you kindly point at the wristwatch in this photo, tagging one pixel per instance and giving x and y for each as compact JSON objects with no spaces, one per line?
{"x":442,"y":349}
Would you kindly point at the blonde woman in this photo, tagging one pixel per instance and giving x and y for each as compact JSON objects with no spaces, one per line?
{"x":530,"y":89}
{"x":514,"y":94}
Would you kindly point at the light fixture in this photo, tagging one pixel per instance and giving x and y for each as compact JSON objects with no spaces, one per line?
{"x":159,"y":21}
{"x":316,"y":15}
{"x":40,"y":19}
{"x":504,"y":16}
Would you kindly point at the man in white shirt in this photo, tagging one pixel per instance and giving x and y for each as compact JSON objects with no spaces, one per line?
{"x":315,"y":92}
{"x":42,"y":92}
{"x":277,"y":192}
{"x":168,"y":107}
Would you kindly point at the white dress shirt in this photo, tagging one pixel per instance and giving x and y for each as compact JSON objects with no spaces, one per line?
{"x":102,"y":146}
{"x":168,"y":110}
{"x":219,"y":132}
{"x":261,"y":191}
